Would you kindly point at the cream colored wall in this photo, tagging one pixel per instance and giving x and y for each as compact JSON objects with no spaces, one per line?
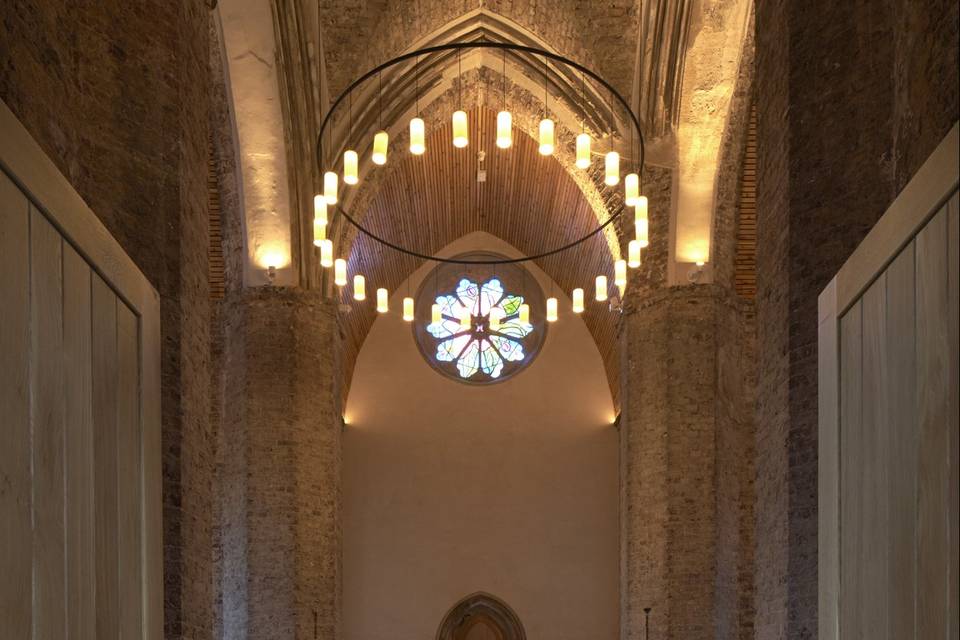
{"x":451,"y":489}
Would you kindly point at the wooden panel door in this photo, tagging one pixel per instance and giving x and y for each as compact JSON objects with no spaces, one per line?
{"x":80,"y":552}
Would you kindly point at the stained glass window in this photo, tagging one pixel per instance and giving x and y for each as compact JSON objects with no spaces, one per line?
{"x":480,"y":353}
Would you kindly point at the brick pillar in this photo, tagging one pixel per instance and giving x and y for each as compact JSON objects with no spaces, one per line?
{"x":281,"y":534}
{"x":683,"y":426}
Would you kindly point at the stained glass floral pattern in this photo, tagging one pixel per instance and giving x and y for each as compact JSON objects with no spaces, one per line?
{"x":479,"y":349}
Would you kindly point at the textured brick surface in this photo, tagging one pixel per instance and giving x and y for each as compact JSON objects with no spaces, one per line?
{"x":851,"y":98}
{"x":116,"y":94}
{"x":684,"y":422}
{"x":282,"y":465}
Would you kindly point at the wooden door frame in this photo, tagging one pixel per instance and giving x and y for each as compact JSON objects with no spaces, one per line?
{"x":24,"y":161}
{"x":920,"y":200}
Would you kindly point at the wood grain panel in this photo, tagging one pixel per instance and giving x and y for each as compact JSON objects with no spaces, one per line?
{"x":851,"y":472}
{"x":953,"y":412}
{"x":105,"y":380}
{"x":828,"y":464}
{"x":15,"y":506}
{"x":933,"y":378}
{"x":901,"y":396}
{"x":128,"y":472}
{"x":81,"y":583}
{"x":47,"y":417}
{"x":874,"y":456}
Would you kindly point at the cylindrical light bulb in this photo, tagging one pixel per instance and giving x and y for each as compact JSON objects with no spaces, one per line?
{"x":578,"y":300}
{"x":546,"y":137}
{"x":641,"y":220}
{"x":551,"y":309}
{"x":351,"y":167}
{"x":319,"y":231}
{"x":330,"y":187}
{"x":436,"y":315}
{"x":496,"y":315}
{"x":620,"y":273}
{"x":631,"y":189}
{"x":601,"y":288}
{"x":418,"y":136}
{"x":524,"y":314}
{"x":383,"y":300}
{"x":326,"y":253}
{"x":504,"y":129}
{"x":340,"y":272}
{"x":320,"y":208}
{"x":460,"y":138}
{"x":466,"y":319}
{"x":359,"y":287}
{"x":380,"y":143}
{"x":612,"y":168}
{"x":408,"y":309}
{"x":633,"y":254}
{"x":583,"y":151}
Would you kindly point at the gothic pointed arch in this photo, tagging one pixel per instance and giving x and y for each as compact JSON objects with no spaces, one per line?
{"x":481,"y":606}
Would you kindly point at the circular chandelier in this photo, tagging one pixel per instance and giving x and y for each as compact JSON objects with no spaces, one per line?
{"x":329,"y":200}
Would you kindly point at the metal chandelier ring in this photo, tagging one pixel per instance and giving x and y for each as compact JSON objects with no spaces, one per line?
{"x":458,"y":46}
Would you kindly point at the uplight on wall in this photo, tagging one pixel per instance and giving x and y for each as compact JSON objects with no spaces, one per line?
{"x":359,"y":287}
{"x":612,"y":168}
{"x":460,"y":135}
{"x":408,"y":309}
{"x":383,"y":301}
{"x":546,"y":137}
{"x":418,"y":136}
{"x":351,"y":167}
{"x":578,"y":300}
{"x":340,"y":272}
{"x":380,"y":143}
{"x":601,"y":293}
{"x":330,"y":187}
{"x":504,"y":129}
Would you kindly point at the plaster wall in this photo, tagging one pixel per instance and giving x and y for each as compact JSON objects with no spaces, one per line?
{"x":450,"y":489}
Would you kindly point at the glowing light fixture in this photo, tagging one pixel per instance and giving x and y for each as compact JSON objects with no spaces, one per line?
{"x":551,"y":309}
{"x":601,"y":288}
{"x":326,"y":253}
{"x":620,"y":274}
{"x":330,"y":187}
{"x":340,"y":272}
{"x":642,"y":221}
{"x":436,"y":315}
{"x":351,"y":167}
{"x":319,"y":231}
{"x":612,"y":168}
{"x":633,"y":254}
{"x":460,"y":138}
{"x":583,"y":151}
{"x":359,"y":287}
{"x":546,"y":137}
{"x":631,"y":189}
{"x":496,"y":315}
{"x":466,"y":319}
{"x":383,"y":300}
{"x":504,"y":129}
{"x":418,"y":135}
{"x":578,"y":300}
{"x":320,"y":209}
{"x":408,"y":309}
{"x":523,"y":314}
{"x":380,"y":143}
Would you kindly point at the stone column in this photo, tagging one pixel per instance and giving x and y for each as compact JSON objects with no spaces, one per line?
{"x":281,"y":534}
{"x":684,"y":424}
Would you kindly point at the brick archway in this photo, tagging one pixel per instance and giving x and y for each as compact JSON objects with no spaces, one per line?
{"x":481,"y":607}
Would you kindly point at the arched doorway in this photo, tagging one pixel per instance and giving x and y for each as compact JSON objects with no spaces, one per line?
{"x":481,"y":616}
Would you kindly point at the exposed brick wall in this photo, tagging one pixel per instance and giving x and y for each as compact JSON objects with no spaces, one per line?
{"x":116,"y":94}
{"x":851,"y":98}
{"x":281,"y":465}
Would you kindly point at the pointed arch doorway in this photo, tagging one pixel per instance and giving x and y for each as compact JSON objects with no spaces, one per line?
{"x":481,"y":616}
